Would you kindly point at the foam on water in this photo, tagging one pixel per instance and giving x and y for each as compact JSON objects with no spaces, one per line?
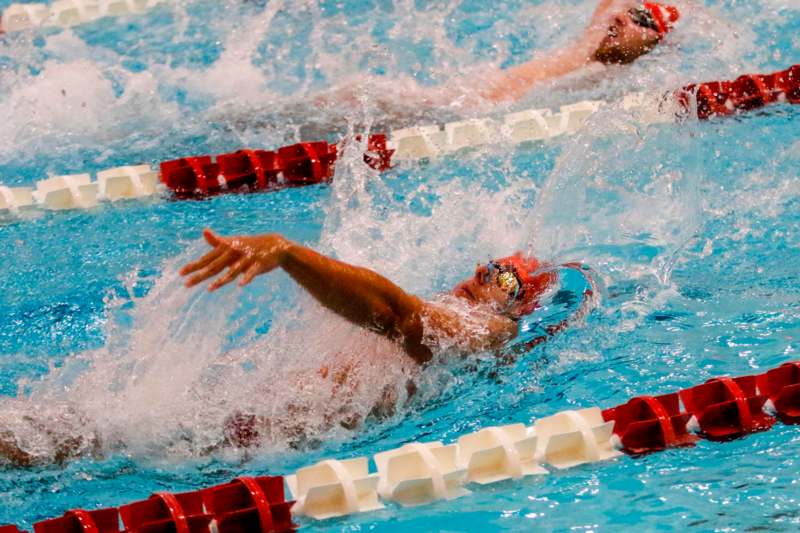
{"x":66,"y":105}
{"x":233,"y":79}
{"x":165,"y":384}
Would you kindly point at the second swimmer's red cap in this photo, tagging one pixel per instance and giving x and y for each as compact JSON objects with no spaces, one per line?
{"x":534,"y":279}
{"x":665,"y":16}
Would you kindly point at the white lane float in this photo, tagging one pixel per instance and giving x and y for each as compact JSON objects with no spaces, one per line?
{"x":498,"y":453}
{"x":528,"y":125}
{"x":79,"y":191}
{"x":572,"y":438}
{"x":13,"y":198}
{"x":573,"y":116}
{"x":127,"y":182}
{"x":19,"y":17}
{"x":334,"y":488}
{"x":419,"y":473}
{"x":67,"y":192}
{"x":473,"y":132}
{"x":417,"y":142}
{"x":422,"y":142}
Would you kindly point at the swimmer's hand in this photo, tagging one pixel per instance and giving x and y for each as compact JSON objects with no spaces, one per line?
{"x":244,"y":255}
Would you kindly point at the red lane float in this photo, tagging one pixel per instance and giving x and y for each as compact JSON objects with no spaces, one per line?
{"x":651,"y":423}
{"x":727,"y":408}
{"x":378,"y":155}
{"x":255,"y":169}
{"x":80,"y":521}
{"x":164,"y":512}
{"x":295,"y":165}
{"x":751,"y":91}
{"x":245,"y":505}
{"x":724,"y":408}
{"x":290,"y":166}
{"x":782,"y":386}
{"x":250,"y":504}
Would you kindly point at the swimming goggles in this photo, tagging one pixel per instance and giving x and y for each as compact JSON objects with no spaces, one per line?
{"x":642,"y":17}
{"x":505,"y":277}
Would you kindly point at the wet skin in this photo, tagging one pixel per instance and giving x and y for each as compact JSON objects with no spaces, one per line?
{"x":481,"y":289}
{"x":625,"y":41}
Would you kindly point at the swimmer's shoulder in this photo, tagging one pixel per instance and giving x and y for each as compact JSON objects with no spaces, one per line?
{"x":450,"y":323}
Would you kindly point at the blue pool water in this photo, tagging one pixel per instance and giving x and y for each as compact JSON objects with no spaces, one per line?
{"x":692,"y":227}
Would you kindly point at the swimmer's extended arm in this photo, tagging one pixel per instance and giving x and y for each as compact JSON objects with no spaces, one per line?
{"x":513,"y":83}
{"x":358,"y":294}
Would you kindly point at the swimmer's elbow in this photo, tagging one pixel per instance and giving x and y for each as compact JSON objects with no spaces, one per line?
{"x":410,"y":332}
{"x":396,"y":314}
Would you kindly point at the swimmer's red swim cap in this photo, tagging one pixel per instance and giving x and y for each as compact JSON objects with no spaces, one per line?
{"x":665,"y":16}
{"x":534,"y":279}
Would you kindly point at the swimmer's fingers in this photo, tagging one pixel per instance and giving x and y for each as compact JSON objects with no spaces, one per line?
{"x":219,"y":245}
{"x":194,"y":266}
{"x":213,"y":239}
{"x":226,"y":258}
{"x":252,"y":271}
{"x":233,"y":272}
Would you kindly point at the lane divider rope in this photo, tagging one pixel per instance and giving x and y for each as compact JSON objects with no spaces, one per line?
{"x":499,"y":453}
{"x":418,"y":473}
{"x":334,"y":488}
{"x":313,"y":163}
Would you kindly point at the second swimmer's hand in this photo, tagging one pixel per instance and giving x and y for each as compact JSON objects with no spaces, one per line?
{"x":246,"y":256}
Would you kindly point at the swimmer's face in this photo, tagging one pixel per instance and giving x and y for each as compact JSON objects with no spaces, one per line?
{"x":625,"y":41}
{"x":483,"y":288}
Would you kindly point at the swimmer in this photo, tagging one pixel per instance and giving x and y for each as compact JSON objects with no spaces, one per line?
{"x":620,"y":31}
{"x":480,"y":314}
